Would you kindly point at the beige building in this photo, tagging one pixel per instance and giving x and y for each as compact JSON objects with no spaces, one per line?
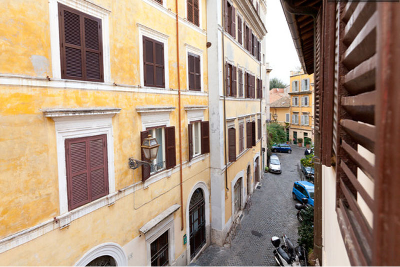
{"x":280,"y":113}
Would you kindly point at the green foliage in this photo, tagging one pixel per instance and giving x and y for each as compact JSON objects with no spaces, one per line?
{"x":276,"y":83}
{"x":308,"y":161}
{"x":307,"y":141}
{"x":300,"y":140}
{"x":266,"y":168}
{"x":306,"y":229}
{"x":276,"y":134}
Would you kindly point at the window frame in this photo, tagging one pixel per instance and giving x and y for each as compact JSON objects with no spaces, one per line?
{"x":200,"y":15}
{"x":87,"y":8}
{"x":297,"y":101}
{"x":194,"y":137}
{"x":157,"y":36}
{"x":287,"y":117}
{"x":295,"y":85}
{"x":154,"y":63}
{"x":241,"y":90}
{"x":162,"y":148}
{"x":307,"y":87}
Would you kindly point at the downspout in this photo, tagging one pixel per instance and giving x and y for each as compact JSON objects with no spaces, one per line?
{"x":224,"y":92}
{"x":179,"y":111}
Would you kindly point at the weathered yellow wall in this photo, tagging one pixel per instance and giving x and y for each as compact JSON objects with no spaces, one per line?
{"x":281,"y":112}
{"x":28,"y":154}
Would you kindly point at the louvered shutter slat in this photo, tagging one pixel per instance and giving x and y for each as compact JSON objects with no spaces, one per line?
{"x":233,"y":23}
{"x":170,"y":147}
{"x":248,"y":135}
{"x":159,"y":66}
{"x":197,"y":73}
{"x":205,"y":137}
{"x":148,"y":61}
{"x":93,"y":59}
{"x":253,"y":133}
{"x":145,"y":167}
{"x":191,"y":73}
{"x":196,"y":12}
{"x":240,"y":34}
{"x":232,"y":144}
{"x":190,"y":11}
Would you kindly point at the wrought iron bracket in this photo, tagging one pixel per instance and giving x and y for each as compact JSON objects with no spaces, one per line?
{"x":134,"y":163}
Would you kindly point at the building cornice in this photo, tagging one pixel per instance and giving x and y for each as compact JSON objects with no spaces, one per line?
{"x":248,"y":10}
{"x":154,"y":109}
{"x":187,"y":108}
{"x":68,"y":112}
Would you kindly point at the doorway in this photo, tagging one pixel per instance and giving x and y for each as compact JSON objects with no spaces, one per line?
{"x":295,"y":138}
{"x":197,"y":222}
{"x":237,"y":196}
{"x":257,"y":170}
{"x":103,"y":261}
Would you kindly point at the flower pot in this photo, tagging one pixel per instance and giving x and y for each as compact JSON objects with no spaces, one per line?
{"x":299,"y":144}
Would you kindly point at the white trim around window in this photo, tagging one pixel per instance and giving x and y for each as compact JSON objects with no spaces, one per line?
{"x":198,"y":52}
{"x":158,"y":36}
{"x":75,"y":127}
{"x":87,"y":8}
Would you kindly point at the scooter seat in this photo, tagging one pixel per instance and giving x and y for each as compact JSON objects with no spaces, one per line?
{"x":284,"y":255}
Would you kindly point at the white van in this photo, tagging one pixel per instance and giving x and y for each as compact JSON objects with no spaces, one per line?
{"x":274,"y":164}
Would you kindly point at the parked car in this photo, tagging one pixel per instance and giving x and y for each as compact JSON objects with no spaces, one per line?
{"x":303,"y":189}
{"x":281,"y":148}
{"x":274,"y":164}
{"x":308,"y":172}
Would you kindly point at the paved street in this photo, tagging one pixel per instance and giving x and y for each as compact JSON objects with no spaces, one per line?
{"x":271,"y":213}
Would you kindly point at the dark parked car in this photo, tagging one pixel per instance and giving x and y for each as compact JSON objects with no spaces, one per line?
{"x":281,"y":148}
{"x":308,"y":172}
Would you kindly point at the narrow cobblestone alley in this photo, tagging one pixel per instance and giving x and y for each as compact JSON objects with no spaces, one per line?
{"x":271,"y":212}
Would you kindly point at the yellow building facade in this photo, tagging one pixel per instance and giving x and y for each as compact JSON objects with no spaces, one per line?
{"x":280,"y":113}
{"x":81,"y":82}
{"x":302,"y":107}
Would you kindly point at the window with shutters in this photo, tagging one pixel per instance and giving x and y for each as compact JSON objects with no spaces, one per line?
{"x":253,"y":133}
{"x":196,"y":137}
{"x":249,"y":131}
{"x":305,"y":101}
{"x":199,"y":138}
{"x":250,"y":84}
{"x":158,"y":164}
{"x":259,"y":88}
{"x":305,"y":85}
{"x":295,"y":118}
{"x":240,"y":83}
{"x":295,"y":101}
{"x":193,"y":12}
{"x":153,"y":63}
{"x":232,"y":144}
{"x":287,"y":119}
{"x":87,"y":171}
{"x":230,"y":19}
{"x":81,"y":45}
{"x":231,"y":80}
{"x":295,"y":86}
{"x":194,"y":72}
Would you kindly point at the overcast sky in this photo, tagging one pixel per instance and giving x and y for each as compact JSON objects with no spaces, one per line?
{"x":281,"y":53}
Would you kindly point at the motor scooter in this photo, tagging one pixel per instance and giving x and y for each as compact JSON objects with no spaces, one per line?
{"x":287,"y":254}
{"x":301,"y":209}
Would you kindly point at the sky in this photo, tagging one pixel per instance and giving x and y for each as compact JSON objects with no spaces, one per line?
{"x":280,"y":54}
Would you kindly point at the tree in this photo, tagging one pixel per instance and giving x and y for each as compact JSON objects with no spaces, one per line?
{"x":276,"y":83}
{"x":276,"y":134}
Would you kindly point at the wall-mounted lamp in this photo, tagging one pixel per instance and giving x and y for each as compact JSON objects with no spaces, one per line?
{"x":275,"y":117}
{"x":150,"y":148}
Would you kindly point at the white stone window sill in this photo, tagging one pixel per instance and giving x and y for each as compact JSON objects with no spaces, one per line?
{"x":197,"y":158}
{"x":157,"y":177}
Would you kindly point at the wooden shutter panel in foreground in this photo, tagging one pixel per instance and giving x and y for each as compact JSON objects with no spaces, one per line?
{"x":249,"y":134}
{"x":190,"y":139}
{"x":232,"y":144}
{"x":80,"y":45}
{"x":253,"y":133}
{"x":170,"y":147}
{"x":87,"y":169}
{"x":145,"y":167}
{"x":205,"y":137}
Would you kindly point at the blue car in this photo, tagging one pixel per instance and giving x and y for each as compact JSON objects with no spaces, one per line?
{"x":281,"y":148}
{"x":303,"y":189}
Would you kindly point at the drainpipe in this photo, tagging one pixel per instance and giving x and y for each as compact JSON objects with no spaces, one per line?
{"x":224,"y":92}
{"x":179,"y":111}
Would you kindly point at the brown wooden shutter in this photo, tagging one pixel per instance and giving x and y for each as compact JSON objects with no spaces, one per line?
{"x":232,"y":144}
{"x":246,"y":80}
{"x":253,"y":89}
{"x":228,"y":85}
{"x":240,"y":31}
{"x":87,"y":169}
{"x":234,"y":82}
{"x":196,"y":12}
{"x":240,"y":81}
{"x":250,"y":36}
{"x":170,"y":147}
{"x":98,"y":166}
{"x":253,"y":133}
{"x":226,"y":16}
{"x":81,"y":47}
{"x":153,"y":60}
{"x":190,"y":139}
{"x":192,"y":74}
{"x":241,"y":137}
{"x":259,"y":128}
{"x":248,"y":134}
{"x":197,"y":71}
{"x":233,"y":22}
{"x":259,"y":51}
{"x":205,"y":137}
{"x":145,"y":167}
{"x":190,"y":15}
{"x":77,"y":172}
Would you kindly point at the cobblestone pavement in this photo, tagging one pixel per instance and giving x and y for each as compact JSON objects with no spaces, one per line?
{"x":271,"y":213}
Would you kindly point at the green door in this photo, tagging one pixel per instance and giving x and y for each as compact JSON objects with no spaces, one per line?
{"x":295,"y":137}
